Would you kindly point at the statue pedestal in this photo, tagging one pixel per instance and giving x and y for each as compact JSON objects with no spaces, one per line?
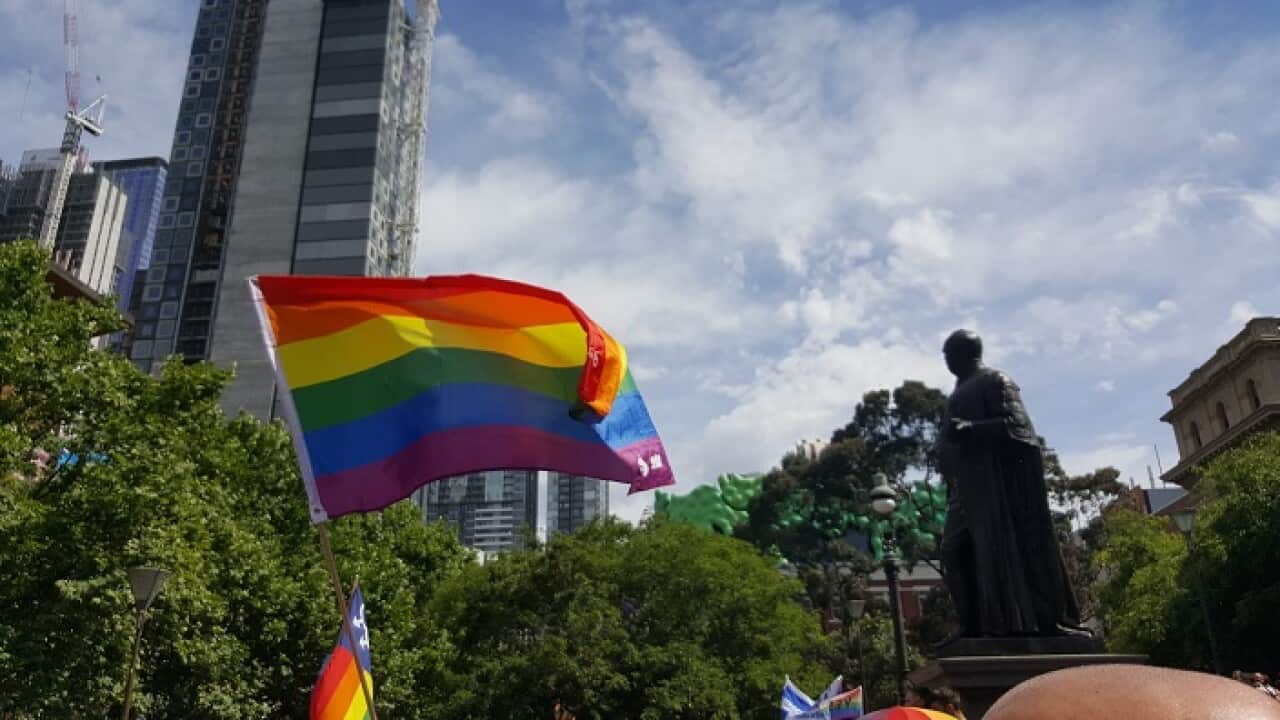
{"x":980,"y":670}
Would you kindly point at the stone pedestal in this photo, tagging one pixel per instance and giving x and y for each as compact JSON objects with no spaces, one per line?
{"x":980,"y":670}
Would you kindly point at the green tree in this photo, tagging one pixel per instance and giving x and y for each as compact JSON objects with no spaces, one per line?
{"x":1237,"y":541}
{"x":1149,"y":591}
{"x":248,"y":615}
{"x":1077,"y":503}
{"x":662,"y":621}
{"x":807,"y":505}
{"x":1140,"y":596}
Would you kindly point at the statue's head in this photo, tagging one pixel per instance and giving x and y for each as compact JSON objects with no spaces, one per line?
{"x":963,"y":351}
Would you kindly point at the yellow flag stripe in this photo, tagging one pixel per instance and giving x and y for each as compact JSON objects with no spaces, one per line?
{"x":376,"y":341}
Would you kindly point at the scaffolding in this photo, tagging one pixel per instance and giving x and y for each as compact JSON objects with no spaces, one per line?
{"x":411,"y":135}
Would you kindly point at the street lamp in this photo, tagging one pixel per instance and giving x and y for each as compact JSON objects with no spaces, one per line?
{"x":1185,"y":519}
{"x":854,"y":610}
{"x":146,"y":583}
{"x":884,"y":500}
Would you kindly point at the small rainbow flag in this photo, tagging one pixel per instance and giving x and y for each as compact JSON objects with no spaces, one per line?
{"x":391,"y":383}
{"x":337,"y":694}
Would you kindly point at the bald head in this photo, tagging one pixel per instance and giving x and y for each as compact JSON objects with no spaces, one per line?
{"x":1133,"y":692}
{"x":963,"y":351}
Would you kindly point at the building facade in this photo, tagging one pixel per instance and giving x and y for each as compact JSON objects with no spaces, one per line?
{"x":574,"y":501}
{"x":91,"y":227}
{"x":90,"y":232}
{"x":297,"y":151}
{"x":334,"y":140}
{"x":490,"y":510}
{"x":142,"y":181}
{"x":1235,"y":393}
{"x":175,"y":301}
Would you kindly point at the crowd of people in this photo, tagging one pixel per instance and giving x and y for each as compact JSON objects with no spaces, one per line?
{"x":1258,"y":681}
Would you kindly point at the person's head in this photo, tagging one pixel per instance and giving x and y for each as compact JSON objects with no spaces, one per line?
{"x":915,"y":697}
{"x":946,"y":700}
{"x":963,"y":351}
{"x":1133,"y":692}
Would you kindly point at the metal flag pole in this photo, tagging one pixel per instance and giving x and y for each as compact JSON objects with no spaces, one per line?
{"x":327,"y":549}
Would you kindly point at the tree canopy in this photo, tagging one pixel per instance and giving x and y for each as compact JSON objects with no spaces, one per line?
{"x":1149,"y":591}
{"x":164,"y":479}
{"x":663,"y":621}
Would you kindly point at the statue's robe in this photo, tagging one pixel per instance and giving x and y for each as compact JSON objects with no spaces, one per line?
{"x":1000,"y":551}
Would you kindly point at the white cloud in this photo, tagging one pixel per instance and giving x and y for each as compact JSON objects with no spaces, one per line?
{"x":462,"y":82}
{"x":1221,"y":142}
{"x":1265,"y":207}
{"x":861,"y":184}
{"x":139,"y":49}
{"x":810,"y":392}
{"x":1241,"y":312}
{"x":1131,"y":460}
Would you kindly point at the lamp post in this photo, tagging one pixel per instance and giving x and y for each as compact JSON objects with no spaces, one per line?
{"x":1186,"y":520}
{"x":146,"y":583}
{"x":854,"y":610}
{"x":884,"y":500}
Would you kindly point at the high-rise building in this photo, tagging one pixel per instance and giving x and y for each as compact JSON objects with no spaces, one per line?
{"x":176,"y":307}
{"x":142,"y":180}
{"x":297,"y":150}
{"x":490,"y":509}
{"x":574,"y":501}
{"x":8,"y":177}
{"x":93,"y":216}
{"x":88,"y":238}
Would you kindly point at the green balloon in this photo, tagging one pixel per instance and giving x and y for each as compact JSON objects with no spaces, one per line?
{"x":921,"y":496}
{"x":928,"y":538}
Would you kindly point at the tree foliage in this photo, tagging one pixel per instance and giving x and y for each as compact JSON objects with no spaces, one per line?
{"x":248,"y":615}
{"x":664,"y":621}
{"x":892,"y":433}
{"x":1150,"y":587}
{"x":707,"y":629}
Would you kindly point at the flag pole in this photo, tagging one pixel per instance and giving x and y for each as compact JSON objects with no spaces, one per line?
{"x":327,"y":549}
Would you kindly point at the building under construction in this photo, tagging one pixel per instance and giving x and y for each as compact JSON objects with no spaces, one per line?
{"x":297,"y":150}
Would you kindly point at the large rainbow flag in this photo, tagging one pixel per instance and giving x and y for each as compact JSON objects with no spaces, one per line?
{"x":390,"y":383}
{"x":337,"y":694}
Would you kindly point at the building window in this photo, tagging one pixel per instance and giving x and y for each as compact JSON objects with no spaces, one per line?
{"x":182,"y":138}
{"x":1194,"y":431}
{"x":1255,"y":400}
{"x":1221,"y":411}
{"x":192,"y":90}
{"x":217,"y":44}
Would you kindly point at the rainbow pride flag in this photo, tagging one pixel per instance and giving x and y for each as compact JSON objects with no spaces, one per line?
{"x":390,"y":383}
{"x":337,"y":694}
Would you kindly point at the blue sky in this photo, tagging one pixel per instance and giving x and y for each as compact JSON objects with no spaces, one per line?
{"x":781,"y":205}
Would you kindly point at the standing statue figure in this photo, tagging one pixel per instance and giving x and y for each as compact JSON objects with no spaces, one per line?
{"x":1003,"y":567}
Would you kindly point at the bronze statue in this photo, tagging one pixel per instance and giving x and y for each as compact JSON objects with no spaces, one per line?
{"x":1000,"y":552}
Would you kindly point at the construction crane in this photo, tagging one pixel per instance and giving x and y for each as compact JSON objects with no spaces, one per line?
{"x":79,"y":121}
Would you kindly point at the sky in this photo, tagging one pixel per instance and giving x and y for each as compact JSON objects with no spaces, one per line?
{"x":780,"y":205}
